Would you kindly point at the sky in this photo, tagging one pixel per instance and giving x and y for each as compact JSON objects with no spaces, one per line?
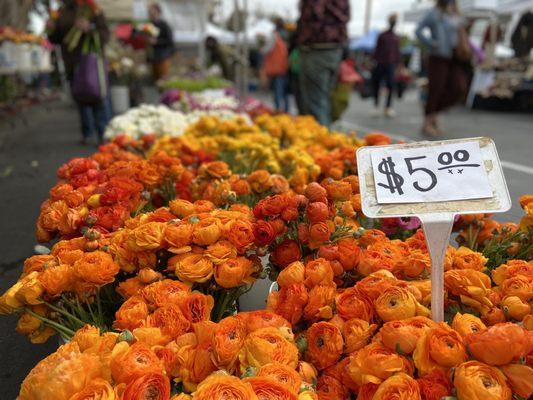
{"x":381,"y":9}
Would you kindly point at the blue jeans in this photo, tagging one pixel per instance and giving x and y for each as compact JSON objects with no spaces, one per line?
{"x":94,"y":117}
{"x":281,"y":95}
{"x":318,"y":77}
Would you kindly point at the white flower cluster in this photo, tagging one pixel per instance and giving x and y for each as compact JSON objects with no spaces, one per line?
{"x":159,"y":120}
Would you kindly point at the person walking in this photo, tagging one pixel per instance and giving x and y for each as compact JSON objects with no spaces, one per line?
{"x":162,"y":45}
{"x":322,"y":33}
{"x":387,"y":58}
{"x":275,"y":68}
{"x":72,"y":22}
{"x":448,"y":47}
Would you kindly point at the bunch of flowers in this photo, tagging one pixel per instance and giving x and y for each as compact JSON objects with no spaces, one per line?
{"x":148,"y":28}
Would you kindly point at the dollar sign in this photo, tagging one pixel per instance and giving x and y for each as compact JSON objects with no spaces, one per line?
{"x":394,"y":180}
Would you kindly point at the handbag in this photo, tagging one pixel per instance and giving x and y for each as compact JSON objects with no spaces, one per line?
{"x":463,"y":51}
{"x":89,"y":83}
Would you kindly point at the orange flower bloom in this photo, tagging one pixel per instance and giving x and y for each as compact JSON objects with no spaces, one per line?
{"x":268,"y":345}
{"x":38,"y":263}
{"x":282,"y":374}
{"x":181,"y":208}
{"x":97,"y":268}
{"x":292,"y":274}
{"x":220,"y":252}
{"x":196,"y":364}
{"x":97,"y":389}
{"x":397,"y":303}
{"x":499,"y":344}
{"x":224,"y":387}
{"x":165,"y":292}
{"x":351,"y":303}
{"x":435,"y":386}
{"x":374,"y":363}
{"x":234,"y":272}
{"x":403,"y":335}
{"x":206,"y":231}
{"x":318,"y":272}
{"x":196,"y":307}
{"x":472,"y":287}
{"x":57,"y":279}
{"x":321,"y":302}
{"x":228,"y":340}
{"x":324,"y":344}
{"x":464,"y":258}
{"x":240,"y":233}
{"x":520,"y":379}
{"x":286,"y":253}
{"x":152,"y":385}
{"x":190,"y":267}
{"x":466,"y":324}
{"x":349,"y":253}
{"x":131,"y":362}
{"x":255,"y":320}
{"x":439,"y":348}
{"x":398,"y":387}
{"x":177,"y":236}
{"x":170,"y":319}
{"x":131,"y":314}
{"x":320,"y":232}
{"x":267,"y":388}
{"x":357,"y":334}
{"x":259,"y":180}
{"x":315,"y":192}
{"x":367,"y":391}
{"x":477,"y":381}
{"x":214,"y":169}
{"x":511,"y":269}
{"x":520,"y":286}
{"x":147,"y":236}
{"x":289,"y":302}
{"x":330,"y":388}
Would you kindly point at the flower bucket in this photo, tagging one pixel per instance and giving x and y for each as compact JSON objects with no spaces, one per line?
{"x":120,"y":98}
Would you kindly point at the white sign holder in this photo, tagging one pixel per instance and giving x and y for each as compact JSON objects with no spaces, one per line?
{"x":437,"y":217}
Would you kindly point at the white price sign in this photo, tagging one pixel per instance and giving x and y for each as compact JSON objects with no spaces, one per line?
{"x":445,"y":172}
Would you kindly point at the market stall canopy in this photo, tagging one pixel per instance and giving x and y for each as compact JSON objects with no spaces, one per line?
{"x":366,"y":43}
{"x":514,"y":6}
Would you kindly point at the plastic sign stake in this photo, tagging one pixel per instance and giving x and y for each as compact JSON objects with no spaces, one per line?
{"x":434,"y":181}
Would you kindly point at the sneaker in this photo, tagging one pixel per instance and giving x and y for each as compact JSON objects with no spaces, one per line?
{"x":390,"y":113}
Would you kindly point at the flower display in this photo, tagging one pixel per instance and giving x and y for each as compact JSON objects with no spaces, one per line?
{"x":160,"y":235}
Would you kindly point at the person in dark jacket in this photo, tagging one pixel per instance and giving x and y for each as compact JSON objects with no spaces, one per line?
{"x":387,"y":57}
{"x":162,"y":45}
{"x":94,"y":116}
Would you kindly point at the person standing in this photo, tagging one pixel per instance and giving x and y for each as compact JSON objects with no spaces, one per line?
{"x":322,"y":32}
{"x":275,"y":68}
{"x":162,"y":45}
{"x":446,"y":77}
{"x":387,"y":58}
{"x":94,"y":115}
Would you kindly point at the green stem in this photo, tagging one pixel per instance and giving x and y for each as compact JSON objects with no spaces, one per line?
{"x":65,"y":313}
{"x":52,"y":324}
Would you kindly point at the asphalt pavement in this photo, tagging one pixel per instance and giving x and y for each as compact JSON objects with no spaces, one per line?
{"x":33,"y":147}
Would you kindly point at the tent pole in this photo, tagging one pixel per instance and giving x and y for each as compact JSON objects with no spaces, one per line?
{"x":245,"y":52}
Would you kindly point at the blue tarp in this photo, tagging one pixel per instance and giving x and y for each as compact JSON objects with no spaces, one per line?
{"x":365,"y":43}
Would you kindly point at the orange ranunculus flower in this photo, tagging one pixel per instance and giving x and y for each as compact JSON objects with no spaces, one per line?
{"x":206,"y":231}
{"x":286,"y":253}
{"x":224,"y":387}
{"x":510,"y":269}
{"x":267,"y":388}
{"x":282,"y":374}
{"x":307,"y":371}
{"x":240,"y":233}
{"x":177,"y":237}
{"x":167,"y":291}
{"x":374,"y":363}
{"x":321,"y":303}
{"x":131,"y":314}
{"x":375,"y":284}
{"x":228,"y":340}
{"x":351,"y":303}
{"x":170,"y":320}
{"x":214,"y":169}
{"x":293,"y":273}
{"x":289,"y":302}
{"x":241,"y":187}
{"x":190,"y":267}
{"x":471,"y":286}
{"x":147,"y":236}
{"x":464,"y":258}
{"x":397,"y":303}
{"x":520,"y":379}
{"x":181,"y":396}
{"x":515,"y":308}
{"x":465,"y":324}
{"x":268,"y":345}
{"x":439,"y":348}
{"x":148,"y":275}
{"x":38,"y":263}
{"x":57,"y":279}
{"x":131,"y":362}
{"x":493,"y":316}
{"x":373,"y":260}
{"x":398,"y":387}
{"x":258,"y":319}
{"x":220,"y":252}
{"x":416,"y":263}
{"x":324,"y":344}
{"x":195,"y":364}
{"x":97,"y":389}
{"x":435,"y":385}
{"x":62,"y":374}
{"x":477,"y":381}
{"x":181,"y":208}
{"x":357,"y":334}
{"x":196,"y":307}
{"x":349,"y":253}
{"x":234,"y":272}
{"x":320,"y":232}
{"x":152,"y":385}
{"x":318,"y":272}
{"x":279,"y":184}
{"x":528,"y":322}
{"x":338,"y":190}
{"x":520,"y":286}
{"x":96,"y":267}
{"x":499,"y":344}
{"x":259,"y":180}
{"x":330,"y":388}
{"x":367,"y":391}
{"x":151,"y":336}
{"x":403,"y":335}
